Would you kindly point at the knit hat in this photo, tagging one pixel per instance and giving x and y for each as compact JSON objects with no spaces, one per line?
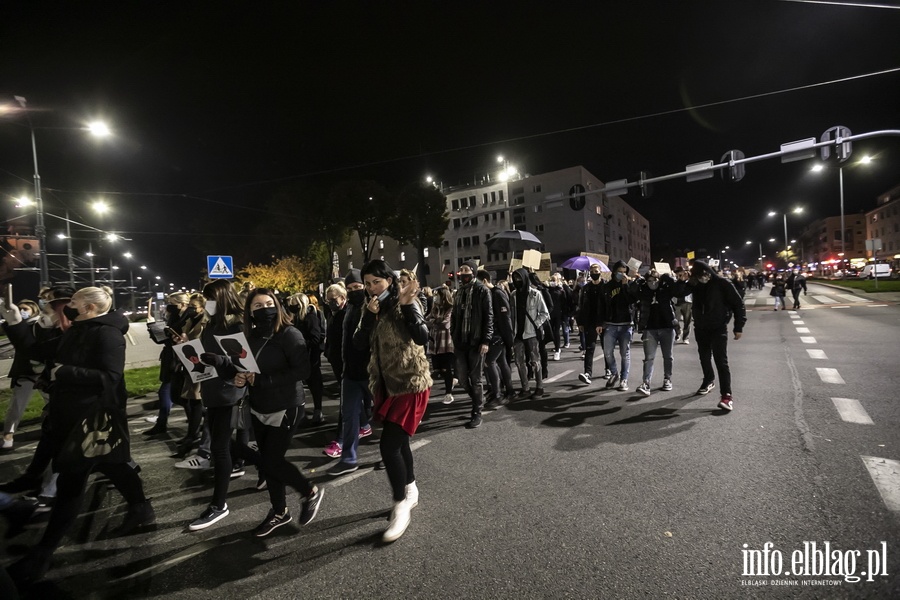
{"x":471,"y":264}
{"x":60,"y":292}
{"x":352,"y":276}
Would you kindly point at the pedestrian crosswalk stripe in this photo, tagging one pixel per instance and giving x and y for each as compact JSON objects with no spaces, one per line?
{"x":808,"y":339}
{"x":852,"y":298}
{"x":885,"y":474}
{"x":852,"y":411}
{"x":825,"y":299}
{"x":802,"y":329}
{"x":798,"y":322}
{"x":829,"y":375}
{"x":813,"y":353}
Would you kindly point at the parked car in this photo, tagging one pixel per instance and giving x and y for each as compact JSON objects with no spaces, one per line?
{"x":872,"y":271}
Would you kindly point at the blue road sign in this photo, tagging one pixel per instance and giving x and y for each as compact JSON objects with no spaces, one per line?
{"x":219,"y":267}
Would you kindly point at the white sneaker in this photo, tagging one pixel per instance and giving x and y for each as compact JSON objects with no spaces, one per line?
{"x":7,"y":443}
{"x":151,"y":419}
{"x":196,"y":462}
{"x":566,"y":346}
{"x":623,"y":385}
{"x":448,"y":399}
{"x":412,"y":495}
{"x":399,"y":521}
{"x":556,"y":355}
{"x":644,"y":388}
{"x":454,"y":383}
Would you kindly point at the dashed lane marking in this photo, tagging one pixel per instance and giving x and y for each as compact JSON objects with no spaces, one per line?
{"x":820,"y":354}
{"x":799,"y":322}
{"x":885,"y":474}
{"x":838,"y":307}
{"x":873,"y":305}
{"x":829,"y":375}
{"x":802,"y":329}
{"x":852,"y":411}
{"x":807,"y":339}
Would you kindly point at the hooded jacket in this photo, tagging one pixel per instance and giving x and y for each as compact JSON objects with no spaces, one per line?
{"x":715,"y":302}
{"x":657,"y":310}
{"x":535,"y":308}
{"x":91,"y":359}
{"x":590,"y":297}
{"x":617,"y":300}
{"x":472,"y":320}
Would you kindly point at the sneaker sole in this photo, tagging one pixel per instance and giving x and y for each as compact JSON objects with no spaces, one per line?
{"x":316,"y":509}
{"x":344,"y":471}
{"x":273,"y":528}
{"x":583,"y":379}
{"x":193,"y":527}
{"x":644,"y":392}
{"x":724,"y":406}
{"x":394,"y":536}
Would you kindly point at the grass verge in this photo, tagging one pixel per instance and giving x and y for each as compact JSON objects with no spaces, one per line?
{"x":867,"y":285}
{"x":137,"y":381}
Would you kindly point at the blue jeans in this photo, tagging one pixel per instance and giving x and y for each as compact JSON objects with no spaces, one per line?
{"x":654,"y":338}
{"x":617,"y":335}
{"x":470,"y":372}
{"x":165,"y":400}
{"x":354,"y":393}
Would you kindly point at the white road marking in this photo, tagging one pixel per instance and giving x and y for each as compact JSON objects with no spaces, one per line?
{"x":852,"y":411}
{"x":871,"y":305}
{"x":852,"y":298}
{"x":807,"y":339}
{"x":829,"y":375}
{"x":886,"y":476}
{"x":802,"y":329}
{"x":418,"y":444}
{"x":816,"y":353}
{"x":825,"y":299}
{"x":838,"y":307}
{"x":798,"y":322}
{"x":558,"y":377}
{"x":344,"y":479}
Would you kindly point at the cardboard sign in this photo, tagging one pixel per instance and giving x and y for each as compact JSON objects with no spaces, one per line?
{"x":634,"y":264}
{"x":531,"y":259}
{"x":544,"y":276}
{"x":515,"y":264}
{"x":662,"y":268}
{"x":546,"y":264}
{"x":238,"y":350}
{"x":189,"y":355}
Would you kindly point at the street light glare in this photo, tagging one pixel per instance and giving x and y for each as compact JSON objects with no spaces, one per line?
{"x":127,"y":255}
{"x":799,"y":209}
{"x":865,"y":159}
{"x":61,"y":236}
{"x":100,"y":206}
{"x":111,"y":237}
{"x":99,"y":129}
{"x":500,"y":159}
{"x":817,"y":169}
{"x":771,"y":239}
{"x":772,"y":213}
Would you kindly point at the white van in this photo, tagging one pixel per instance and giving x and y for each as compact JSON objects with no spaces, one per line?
{"x":872,"y":271}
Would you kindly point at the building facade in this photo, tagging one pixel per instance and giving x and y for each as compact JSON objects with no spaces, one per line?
{"x":822,"y":243}
{"x":538,"y":204}
{"x":884,"y":223}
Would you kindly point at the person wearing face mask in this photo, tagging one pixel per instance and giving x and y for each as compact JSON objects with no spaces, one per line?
{"x":393,"y":328}
{"x":471,"y":328}
{"x":778,"y":291}
{"x":87,"y":372}
{"x":616,"y":310}
{"x":38,"y":343}
{"x":589,"y":319}
{"x":22,"y":373}
{"x":177,"y":308}
{"x":356,"y":399}
{"x":715,"y":301}
{"x":683,"y":309}
{"x":529,"y":314}
{"x":657,"y":322}
{"x":276,"y":405}
{"x":220,"y":395}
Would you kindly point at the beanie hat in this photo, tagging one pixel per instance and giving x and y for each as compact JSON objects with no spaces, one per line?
{"x":471,"y":264}
{"x":352,"y":276}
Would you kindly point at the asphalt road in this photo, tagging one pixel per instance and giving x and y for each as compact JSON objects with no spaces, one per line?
{"x":585,"y":493}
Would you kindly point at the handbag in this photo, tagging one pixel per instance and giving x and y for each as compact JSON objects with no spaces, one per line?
{"x":101,"y":436}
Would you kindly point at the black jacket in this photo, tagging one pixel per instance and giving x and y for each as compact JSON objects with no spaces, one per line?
{"x":355,"y":352}
{"x":617,"y":302}
{"x":503,"y":329}
{"x":34,"y":344}
{"x":92,"y":358}
{"x":334,"y":335}
{"x":589,"y":302}
{"x":715,"y":302}
{"x":656,"y":308}
{"x":283,"y":362}
{"x":220,"y":391}
{"x":481,"y":319}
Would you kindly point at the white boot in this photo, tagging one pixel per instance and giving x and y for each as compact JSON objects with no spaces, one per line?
{"x":399,"y":521}
{"x":412,"y":495}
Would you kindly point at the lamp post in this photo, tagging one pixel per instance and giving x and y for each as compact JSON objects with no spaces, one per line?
{"x":772,"y":213}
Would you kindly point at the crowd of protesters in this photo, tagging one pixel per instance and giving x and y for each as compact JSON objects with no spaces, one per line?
{"x":384,"y":337}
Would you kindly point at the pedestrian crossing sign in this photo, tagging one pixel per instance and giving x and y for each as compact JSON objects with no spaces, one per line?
{"x":219,"y":267}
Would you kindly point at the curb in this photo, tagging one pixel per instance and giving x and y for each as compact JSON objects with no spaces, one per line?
{"x":856,"y":292}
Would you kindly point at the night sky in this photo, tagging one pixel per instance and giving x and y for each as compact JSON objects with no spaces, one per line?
{"x":215,"y":108}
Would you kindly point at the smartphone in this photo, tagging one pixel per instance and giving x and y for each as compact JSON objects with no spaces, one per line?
{"x":170,"y":332}
{"x":9,"y":296}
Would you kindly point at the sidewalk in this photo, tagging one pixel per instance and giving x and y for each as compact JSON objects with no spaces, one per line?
{"x":876,"y":296}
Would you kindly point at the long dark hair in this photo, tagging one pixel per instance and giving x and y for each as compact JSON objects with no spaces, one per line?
{"x":284,"y":318}
{"x":382,"y":270}
{"x":227,"y":301}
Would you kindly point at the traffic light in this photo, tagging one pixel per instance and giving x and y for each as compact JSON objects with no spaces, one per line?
{"x":842,"y":151}
{"x":732,"y":172}
{"x":646,"y":188}
{"x":576,"y":202}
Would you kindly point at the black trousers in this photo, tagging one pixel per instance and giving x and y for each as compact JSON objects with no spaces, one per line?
{"x":590,"y":343}
{"x":398,"y":459}
{"x":712,"y":345}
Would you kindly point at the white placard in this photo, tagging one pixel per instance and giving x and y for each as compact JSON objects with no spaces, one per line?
{"x":189,"y":355}
{"x":634,"y":264}
{"x":238,"y":350}
{"x":662,"y":268}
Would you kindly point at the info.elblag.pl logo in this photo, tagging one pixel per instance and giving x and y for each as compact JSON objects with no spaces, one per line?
{"x":815,"y":560}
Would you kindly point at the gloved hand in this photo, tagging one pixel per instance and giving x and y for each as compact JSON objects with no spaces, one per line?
{"x":212,"y":359}
{"x":11,"y":313}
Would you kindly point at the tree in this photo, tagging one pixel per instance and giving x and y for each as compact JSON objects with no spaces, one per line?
{"x":419,"y":219}
{"x":288,"y":275}
{"x":369,"y":207}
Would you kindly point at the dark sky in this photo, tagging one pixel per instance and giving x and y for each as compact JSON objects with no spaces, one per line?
{"x":215,"y":105}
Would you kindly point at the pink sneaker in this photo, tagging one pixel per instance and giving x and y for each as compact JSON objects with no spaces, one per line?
{"x":365,"y":431}
{"x":333,"y":450}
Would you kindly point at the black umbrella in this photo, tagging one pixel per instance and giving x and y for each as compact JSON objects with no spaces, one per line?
{"x":513,"y":240}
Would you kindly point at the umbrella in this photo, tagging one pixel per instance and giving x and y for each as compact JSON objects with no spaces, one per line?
{"x":513,"y":240}
{"x":583,"y":263}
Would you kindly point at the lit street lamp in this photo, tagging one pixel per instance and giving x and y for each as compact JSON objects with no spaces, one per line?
{"x":772,"y":213}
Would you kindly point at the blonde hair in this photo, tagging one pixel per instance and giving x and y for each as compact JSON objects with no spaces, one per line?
{"x":178,"y":298}
{"x":101,"y":298}
{"x":336,"y":289}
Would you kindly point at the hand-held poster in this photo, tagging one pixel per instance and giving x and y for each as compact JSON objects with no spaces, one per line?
{"x":238,"y":350}
{"x":189,"y":355}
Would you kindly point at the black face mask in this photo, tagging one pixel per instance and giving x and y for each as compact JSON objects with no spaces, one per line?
{"x":190,"y":311}
{"x":294,"y":308}
{"x":265,"y":318}
{"x":595,"y":276}
{"x":171,"y":308}
{"x":70,"y":312}
{"x":518,"y":283}
{"x":356,"y":297}
{"x":465,"y":278}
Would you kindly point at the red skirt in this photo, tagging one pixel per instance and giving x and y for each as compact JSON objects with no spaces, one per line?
{"x":406,"y":410}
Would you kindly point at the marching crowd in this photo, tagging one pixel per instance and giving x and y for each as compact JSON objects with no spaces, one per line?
{"x":382,"y":335}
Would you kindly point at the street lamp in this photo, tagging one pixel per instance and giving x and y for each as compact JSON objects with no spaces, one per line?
{"x":772,"y":213}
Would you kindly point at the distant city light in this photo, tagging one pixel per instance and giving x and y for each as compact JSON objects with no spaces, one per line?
{"x":99,"y":129}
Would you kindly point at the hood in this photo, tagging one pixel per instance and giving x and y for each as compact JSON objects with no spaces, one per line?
{"x":618,"y":264}
{"x":113,"y":319}
{"x":522,"y":272}
{"x":699,"y":268}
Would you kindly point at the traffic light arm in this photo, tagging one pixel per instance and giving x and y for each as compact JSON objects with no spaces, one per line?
{"x":707,"y":169}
